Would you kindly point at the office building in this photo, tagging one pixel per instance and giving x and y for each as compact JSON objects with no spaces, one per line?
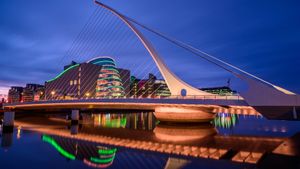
{"x":15,"y":94}
{"x":75,"y":82}
{"x":223,"y":91}
{"x":32,"y":92}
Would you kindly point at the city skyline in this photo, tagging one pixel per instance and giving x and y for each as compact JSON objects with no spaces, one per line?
{"x":97,"y":78}
{"x":41,"y":41}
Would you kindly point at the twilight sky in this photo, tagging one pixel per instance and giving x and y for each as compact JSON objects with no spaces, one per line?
{"x":261,"y":37}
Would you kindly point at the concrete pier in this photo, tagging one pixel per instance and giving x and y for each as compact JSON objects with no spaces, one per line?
{"x":8,"y":122}
{"x":75,"y":117}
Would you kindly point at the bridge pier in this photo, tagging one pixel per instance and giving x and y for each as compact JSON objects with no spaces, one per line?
{"x":75,"y":117}
{"x":7,"y":139}
{"x":8,"y":122}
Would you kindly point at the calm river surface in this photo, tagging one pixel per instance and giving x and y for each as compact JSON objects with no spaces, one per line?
{"x":138,"y":140}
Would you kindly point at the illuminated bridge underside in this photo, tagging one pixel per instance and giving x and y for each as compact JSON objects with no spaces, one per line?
{"x":175,"y":110}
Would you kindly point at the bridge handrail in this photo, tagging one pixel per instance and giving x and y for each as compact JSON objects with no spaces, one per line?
{"x":175,"y":97}
{"x":205,"y":97}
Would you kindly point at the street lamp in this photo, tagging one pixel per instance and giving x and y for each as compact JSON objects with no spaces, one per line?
{"x":52,"y":94}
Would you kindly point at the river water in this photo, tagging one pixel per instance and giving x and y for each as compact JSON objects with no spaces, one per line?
{"x":138,"y":140}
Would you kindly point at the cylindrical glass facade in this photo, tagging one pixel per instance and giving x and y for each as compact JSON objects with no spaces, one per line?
{"x":109,"y":83}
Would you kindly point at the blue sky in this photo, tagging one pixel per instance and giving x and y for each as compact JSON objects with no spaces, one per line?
{"x":261,"y":37}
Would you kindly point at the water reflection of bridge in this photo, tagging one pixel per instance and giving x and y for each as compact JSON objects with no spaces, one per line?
{"x":91,"y":154}
{"x":194,"y":141}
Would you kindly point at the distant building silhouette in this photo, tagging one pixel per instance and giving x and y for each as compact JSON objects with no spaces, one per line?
{"x":15,"y":94}
{"x":33,"y":92}
{"x":224,"y":90}
{"x":151,"y":87}
{"x":29,"y":93}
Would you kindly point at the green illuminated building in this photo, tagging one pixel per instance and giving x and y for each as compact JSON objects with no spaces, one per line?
{"x":109,"y":83}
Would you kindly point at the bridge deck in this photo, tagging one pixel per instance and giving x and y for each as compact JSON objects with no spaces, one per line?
{"x":147,"y":104}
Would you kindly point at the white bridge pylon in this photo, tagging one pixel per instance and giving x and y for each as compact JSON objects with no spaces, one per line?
{"x":259,"y":93}
{"x":175,"y":84}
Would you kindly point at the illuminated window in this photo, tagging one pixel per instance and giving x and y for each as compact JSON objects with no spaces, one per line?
{"x":75,"y":82}
{"x":71,"y":82}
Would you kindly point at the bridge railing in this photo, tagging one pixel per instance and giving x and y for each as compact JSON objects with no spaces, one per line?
{"x":192,"y":97}
{"x":175,"y":97}
{"x":206,"y":97}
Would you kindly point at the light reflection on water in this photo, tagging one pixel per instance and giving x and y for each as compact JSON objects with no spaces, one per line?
{"x":146,"y":121}
{"x":225,"y":123}
{"x":225,"y":120}
{"x":97,"y":156}
{"x":237,"y":132}
{"x":142,"y":120}
{"x":255,"y":126}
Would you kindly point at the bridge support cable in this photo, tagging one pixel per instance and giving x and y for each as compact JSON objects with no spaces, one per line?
{"x":91,"y":46}
{"x":260,"y":92}
{"x":111,"y":47}
{"x":81,"y":44}
{"x":257,"y":86}
{"x":198,"y":52}
{"x":175,"y":84}
{"x":77,"y":44}
{"x":225,"y":65}
{"x":79,"y":35}
{"x":87,"y":46}
{"x":89,"y":43}
{"x":143,"y":67}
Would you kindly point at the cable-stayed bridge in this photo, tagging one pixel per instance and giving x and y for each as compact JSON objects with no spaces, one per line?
{"x":260,"y":94}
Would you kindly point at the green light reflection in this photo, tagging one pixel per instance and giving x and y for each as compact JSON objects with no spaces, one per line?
{"x":51,"y":141}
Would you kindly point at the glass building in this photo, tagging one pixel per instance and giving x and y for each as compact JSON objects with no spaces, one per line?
{"x":109,"y":83}
{"x":161,"y":88}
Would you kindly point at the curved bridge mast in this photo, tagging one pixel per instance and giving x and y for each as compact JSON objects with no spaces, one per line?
{"x":259,"y":93}
{"x":175,"y":84}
